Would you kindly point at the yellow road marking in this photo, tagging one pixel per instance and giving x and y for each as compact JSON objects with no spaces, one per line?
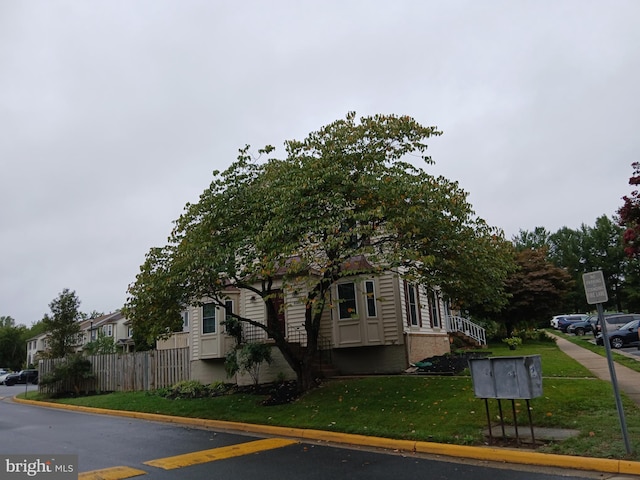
{"x":113,"y":473}
{"x":204,"y":456}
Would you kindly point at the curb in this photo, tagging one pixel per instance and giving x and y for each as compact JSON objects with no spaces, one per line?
{"x":460,"y":451}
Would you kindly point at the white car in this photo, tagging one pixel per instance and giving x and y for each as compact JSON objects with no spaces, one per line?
{"x":3,"y":376}
{"x":554,"y":321}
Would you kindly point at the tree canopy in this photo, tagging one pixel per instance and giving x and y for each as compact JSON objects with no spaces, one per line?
{"x":345,"y":192}
{"x":629,"y":215}
{"x":585,"y":249}
{"x":62,"y":325}
{"x":536,"y":289}
{"x":12,"y":343}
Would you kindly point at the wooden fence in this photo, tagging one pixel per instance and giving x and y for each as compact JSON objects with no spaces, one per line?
{"x":126,"y":372}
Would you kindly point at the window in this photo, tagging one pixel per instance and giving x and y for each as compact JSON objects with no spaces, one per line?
{"x":347,"y":306}
{"x":209,"y":318}
{"x":228,"y":310}
{"x":228,"y":307}
{"x":371,"y":298}
{"x":185,"y":320}
{"x":434,"y":304}
{"x":130,"y":332}
{"x":413,"y":310}
{"x":109,"y":330}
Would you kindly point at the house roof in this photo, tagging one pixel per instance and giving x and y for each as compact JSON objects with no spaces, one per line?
{"x":101,"y":320}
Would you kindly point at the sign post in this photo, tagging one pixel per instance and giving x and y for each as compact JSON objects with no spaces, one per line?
{"x":596,"y":292}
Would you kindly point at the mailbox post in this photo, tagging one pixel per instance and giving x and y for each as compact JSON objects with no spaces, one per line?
{"x":510,"y":378}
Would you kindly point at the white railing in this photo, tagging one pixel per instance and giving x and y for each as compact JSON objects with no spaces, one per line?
{"x":470,"y":329}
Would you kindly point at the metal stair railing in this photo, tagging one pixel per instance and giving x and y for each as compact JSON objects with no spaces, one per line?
{"x":472,"y":330}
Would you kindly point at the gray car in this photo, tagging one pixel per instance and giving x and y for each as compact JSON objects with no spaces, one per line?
{"x":614,"y":322}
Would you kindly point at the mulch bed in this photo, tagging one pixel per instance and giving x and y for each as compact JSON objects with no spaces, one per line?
{"x":448,"y":364}
{"x":279,"y":393}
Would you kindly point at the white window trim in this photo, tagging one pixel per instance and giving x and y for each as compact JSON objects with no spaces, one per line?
{"x":367,"y":298}
{"x":413,"y":308}
{"x":352,"y":315}
{"x":214,"y":317}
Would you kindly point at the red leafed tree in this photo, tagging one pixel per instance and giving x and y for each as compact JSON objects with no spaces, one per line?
{"x":629,"y":216}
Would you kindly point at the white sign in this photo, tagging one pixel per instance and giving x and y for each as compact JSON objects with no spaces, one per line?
{"x":594,"y":287}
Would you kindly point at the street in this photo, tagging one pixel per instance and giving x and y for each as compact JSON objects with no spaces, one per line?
{"x":164,"y":451}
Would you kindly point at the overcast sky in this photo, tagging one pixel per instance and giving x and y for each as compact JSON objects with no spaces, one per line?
{"x":113,"y":114}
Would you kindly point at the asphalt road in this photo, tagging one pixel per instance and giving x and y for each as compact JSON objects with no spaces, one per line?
{"x":104,"y":442}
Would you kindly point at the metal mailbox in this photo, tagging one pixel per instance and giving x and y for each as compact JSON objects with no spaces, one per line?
{"x":507,"y":377}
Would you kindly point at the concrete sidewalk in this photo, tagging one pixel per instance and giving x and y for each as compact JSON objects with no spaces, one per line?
{"x":628,"y":380}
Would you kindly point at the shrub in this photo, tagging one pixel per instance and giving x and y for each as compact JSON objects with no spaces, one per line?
{"x":513,"y":342}
{"x":75,"y":369}
{"x":247,"y":358}
{"x":533,"y":334}
{"x":188,"y":389}
{"x":192,"y":389}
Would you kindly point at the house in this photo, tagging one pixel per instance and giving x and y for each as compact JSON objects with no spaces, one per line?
{"x":373,"y":324}
{"x":179,"y":339}
{"x":36,"y":346}
{"x":113,"y":325}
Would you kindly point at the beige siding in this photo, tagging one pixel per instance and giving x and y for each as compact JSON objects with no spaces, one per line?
{"x":278,"y":369}
{"x":196,"y":328}
{"x":388,"y":303}
{"x":425,"y":313}
{"x":253,"y":307}
{"x":326,"y":326}
{"x":176,"y":340}
{"x":294,"y":317}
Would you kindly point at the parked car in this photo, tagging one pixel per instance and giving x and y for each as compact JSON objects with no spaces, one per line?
{"x":614,"y":321}
{"x":626,"y":335}
{"x":580,"y":328}
{"x":565,"y":320}
{"x":3,"y":377}
{"x":554,"y":320}
{"x":23,"y":376}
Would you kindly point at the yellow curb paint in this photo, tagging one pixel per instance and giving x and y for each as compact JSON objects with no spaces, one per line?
{"x":522,"y":457}
{"x":355,"y":439}
{"x":113,"y":473}
{"x":211,"y":455}
{"x":478,"y":453}
{"x":628,"y":467}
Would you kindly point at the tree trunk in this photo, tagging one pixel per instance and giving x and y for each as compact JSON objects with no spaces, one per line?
{"x":305,"y":378}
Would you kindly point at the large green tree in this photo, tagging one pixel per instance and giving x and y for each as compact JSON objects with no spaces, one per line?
{"x":63,"y":326}
{"x":538,"y":238}
{"x":12,"y":344}
{"x":603,"y":250}
{"x":582,"y":250}
{"x":566,"y":251}
{"x":7,"y":321}
{"x":345,"y":192}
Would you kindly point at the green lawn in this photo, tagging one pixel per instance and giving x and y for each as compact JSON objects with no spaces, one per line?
{"x":440,"y":409}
